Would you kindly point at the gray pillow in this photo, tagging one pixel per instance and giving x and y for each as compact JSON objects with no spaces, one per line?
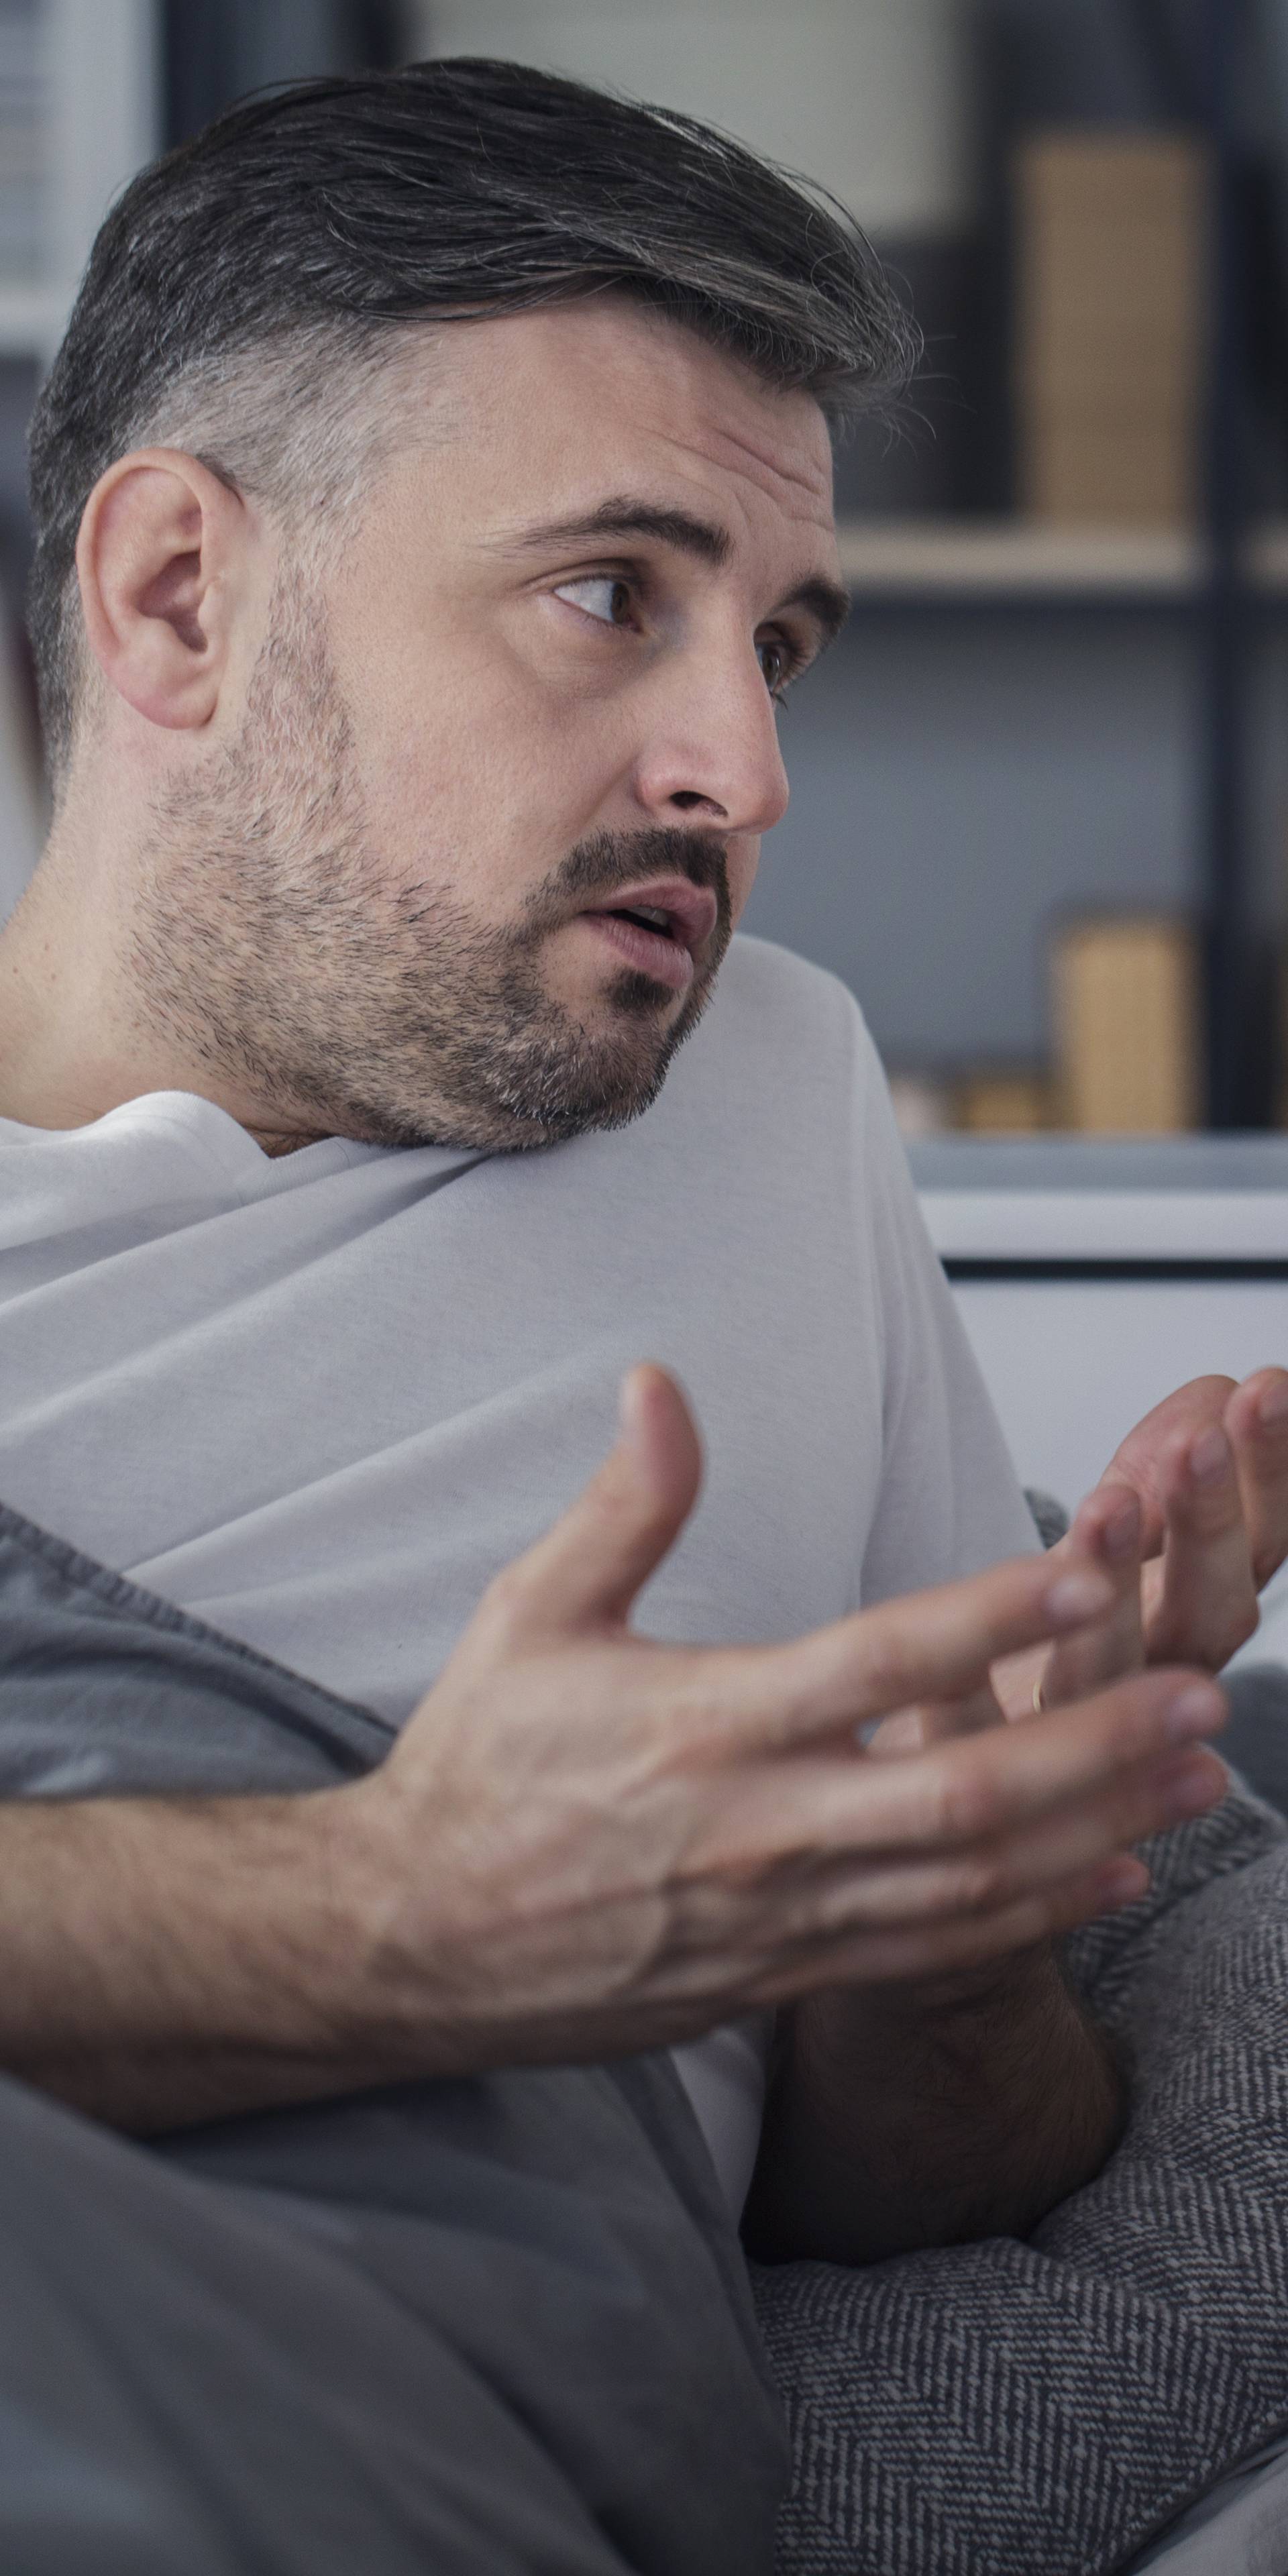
{"x":1042,"y":2408}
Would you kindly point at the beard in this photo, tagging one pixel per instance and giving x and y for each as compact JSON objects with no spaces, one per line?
{"x":271,"y":943}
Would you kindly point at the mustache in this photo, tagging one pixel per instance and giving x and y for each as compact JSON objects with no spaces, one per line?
{"x":605,"y":861}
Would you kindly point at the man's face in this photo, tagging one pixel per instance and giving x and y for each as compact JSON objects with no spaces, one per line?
{"x":536,"y":695}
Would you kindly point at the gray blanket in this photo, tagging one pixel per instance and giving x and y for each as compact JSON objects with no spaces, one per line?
{"x":347,"y":2336}
{"x":1042,"y":2408}
{"x":504,"y":2325}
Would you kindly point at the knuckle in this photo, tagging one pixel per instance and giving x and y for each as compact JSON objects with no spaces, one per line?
{"x":699,"y":1721}
{"x":886,"y":1672}
{"x":508,"y":1595}
{"x":963,"y":1800}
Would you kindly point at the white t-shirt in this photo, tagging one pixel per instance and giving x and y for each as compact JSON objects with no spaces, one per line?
{"x":319,"y":1400}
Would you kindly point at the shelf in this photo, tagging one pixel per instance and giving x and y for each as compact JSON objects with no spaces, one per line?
{"x":942,"y":560}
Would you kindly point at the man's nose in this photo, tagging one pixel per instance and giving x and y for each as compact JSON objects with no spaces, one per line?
{"x":712,"y":750}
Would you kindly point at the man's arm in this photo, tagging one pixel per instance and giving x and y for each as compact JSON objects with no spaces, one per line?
{"x":900,"y":2117}
{"x":585,"y":1843}
{"x":172,"y":1960}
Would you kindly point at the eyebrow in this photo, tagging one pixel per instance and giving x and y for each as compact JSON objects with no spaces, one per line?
{"x":704,"y":540}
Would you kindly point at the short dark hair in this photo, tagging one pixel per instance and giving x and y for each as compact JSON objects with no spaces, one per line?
{"x":280,"y":246}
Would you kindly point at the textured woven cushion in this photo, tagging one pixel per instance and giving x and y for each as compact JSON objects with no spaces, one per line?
{"x":1042,"y":2408}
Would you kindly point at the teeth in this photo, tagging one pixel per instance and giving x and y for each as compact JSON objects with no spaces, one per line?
{"x":649,"y":912}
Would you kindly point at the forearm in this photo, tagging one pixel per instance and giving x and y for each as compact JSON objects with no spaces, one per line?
{"x":166,"y":1961}
{"x":899,"y":2118}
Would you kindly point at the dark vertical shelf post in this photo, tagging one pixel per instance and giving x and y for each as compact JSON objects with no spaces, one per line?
{"x":1236,"y":1075}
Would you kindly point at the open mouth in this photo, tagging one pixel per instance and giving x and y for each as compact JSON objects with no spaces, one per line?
{"x":649,"y":940}
{"x":647,"y":918}
{"x":660,"y":927}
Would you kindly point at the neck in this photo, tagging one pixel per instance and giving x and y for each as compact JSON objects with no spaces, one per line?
{"x":59,"y":1059}
{"x":75,"y":1040}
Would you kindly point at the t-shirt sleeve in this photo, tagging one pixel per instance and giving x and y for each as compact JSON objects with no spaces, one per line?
{"x":950,"y":1499}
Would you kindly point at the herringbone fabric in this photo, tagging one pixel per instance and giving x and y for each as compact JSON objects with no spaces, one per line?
{"x":1042,"y":2408}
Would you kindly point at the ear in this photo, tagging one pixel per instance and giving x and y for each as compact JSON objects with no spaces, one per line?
{"x":162,"y":543}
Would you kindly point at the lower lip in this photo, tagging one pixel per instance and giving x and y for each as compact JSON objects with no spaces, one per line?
{"x":648,"y":951}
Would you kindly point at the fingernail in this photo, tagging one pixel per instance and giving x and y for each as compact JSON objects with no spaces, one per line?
{"x":1196,"y":1710}
{"x":1272,"y":1407}
{"x":1209,"y":1456}
{"x":1078,"y":1595}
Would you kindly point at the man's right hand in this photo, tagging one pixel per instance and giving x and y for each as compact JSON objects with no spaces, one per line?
{"x":587,"y":1843}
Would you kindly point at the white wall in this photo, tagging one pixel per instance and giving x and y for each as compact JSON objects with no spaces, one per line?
{"x":869,"y":97}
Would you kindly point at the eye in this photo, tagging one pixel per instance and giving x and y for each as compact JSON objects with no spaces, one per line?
{"x":778,"y":662}
{"x":602,"y":595}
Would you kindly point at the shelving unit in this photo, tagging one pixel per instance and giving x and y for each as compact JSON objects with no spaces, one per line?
{"x":942,"y":560}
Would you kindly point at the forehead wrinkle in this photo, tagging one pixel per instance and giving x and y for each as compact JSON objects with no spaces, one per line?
{"x":811,"y":484}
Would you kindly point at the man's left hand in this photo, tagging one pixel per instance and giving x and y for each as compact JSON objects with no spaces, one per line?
{"x":1191,"y":1520}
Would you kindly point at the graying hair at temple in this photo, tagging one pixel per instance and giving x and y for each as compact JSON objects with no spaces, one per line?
{"x":248,"y":289}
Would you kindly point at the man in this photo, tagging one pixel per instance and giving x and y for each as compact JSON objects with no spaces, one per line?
{"x":433,"y":497}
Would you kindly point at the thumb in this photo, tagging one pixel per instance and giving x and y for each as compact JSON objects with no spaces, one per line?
{"x":587,"y":1570}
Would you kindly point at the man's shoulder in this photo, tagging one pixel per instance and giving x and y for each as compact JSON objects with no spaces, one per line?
{"x":780,"y":1064}
{"x":768,"y":1000}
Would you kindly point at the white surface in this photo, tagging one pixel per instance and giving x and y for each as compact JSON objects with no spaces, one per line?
{"x":1203,"y":1225}
{"x":869,"y":97}
{"x":1071,"y":1365}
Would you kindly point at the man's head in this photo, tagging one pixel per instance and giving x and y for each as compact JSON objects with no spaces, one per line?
{"x":433,"y":497}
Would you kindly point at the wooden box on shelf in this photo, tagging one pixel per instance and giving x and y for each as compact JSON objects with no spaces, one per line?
{"x":1003,"y":1100}
{"x":1111,"y":298}
{"x":1125,"y":997}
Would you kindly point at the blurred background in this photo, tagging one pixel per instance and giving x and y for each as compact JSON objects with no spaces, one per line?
{"x":1039,"y":814}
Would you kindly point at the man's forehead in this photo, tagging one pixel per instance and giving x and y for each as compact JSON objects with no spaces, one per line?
{"x":602,"y":395}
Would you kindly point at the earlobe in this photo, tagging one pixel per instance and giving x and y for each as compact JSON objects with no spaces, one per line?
{"x":158,"y":544}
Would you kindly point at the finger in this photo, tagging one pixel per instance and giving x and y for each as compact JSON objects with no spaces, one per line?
{"x":1256,"y":1423}
{"x":972,"y":1792}
{"x":924,"y":1646}
{"x":1151,"y":1799}
{"x":896,"y":1956}
{"x":1205,"y":1603}
{"x":1106,"y":1532}
{"x":586,"y":1570}
{"x":911,"y":1729}
{"x":1190,"y":1408}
